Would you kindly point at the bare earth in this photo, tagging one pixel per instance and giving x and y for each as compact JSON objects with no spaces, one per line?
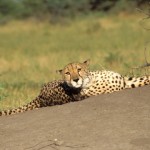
{"x":118,"y":121}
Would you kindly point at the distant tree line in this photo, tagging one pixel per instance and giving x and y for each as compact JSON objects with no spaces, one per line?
{"x":60,"y":8}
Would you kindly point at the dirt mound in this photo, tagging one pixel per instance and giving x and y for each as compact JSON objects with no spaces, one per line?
{"x":118,"y":121}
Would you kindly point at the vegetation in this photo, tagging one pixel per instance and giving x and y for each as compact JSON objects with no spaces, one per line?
{"x":32,"y":51}
{"x":55,"y":10}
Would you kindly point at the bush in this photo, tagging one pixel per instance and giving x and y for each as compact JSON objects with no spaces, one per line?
{"x":63,"y":8}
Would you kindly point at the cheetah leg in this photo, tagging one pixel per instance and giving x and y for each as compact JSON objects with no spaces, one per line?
{"x":32,"y":105}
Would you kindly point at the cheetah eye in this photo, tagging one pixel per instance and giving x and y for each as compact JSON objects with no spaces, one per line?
{"x":79,"y":69}
{"x":67,"y":73}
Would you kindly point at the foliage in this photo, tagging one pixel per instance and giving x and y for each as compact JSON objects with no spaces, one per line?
{"x":3,"y":95}
{"x":112,"y":59}
{"x":31,"y":52}
{"x":60,"y":8}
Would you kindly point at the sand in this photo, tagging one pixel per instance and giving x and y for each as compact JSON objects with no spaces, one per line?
{"x":117,"y":121}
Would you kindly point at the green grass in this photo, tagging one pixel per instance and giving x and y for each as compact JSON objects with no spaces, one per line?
{"x":31,"y":51}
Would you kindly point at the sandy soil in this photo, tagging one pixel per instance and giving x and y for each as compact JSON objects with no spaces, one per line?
{"x":118,"y":121}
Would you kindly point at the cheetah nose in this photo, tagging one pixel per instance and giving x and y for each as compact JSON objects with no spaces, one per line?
{"x":76,"y":80}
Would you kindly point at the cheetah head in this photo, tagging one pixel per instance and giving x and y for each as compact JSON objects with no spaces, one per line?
{"x":76,"y":75}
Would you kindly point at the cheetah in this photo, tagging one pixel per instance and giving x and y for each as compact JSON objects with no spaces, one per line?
{"x":79,"y":83}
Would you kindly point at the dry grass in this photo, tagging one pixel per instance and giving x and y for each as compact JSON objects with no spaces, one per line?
{"x":30,"y":51}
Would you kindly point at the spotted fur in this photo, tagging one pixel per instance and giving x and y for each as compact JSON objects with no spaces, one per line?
{"x":77,"y":84}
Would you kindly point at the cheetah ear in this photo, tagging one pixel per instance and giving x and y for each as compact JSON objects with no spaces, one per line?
{"x":87,"y":62}
{"x":59,"y":71}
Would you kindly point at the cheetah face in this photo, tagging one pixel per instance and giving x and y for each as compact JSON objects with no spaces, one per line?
{"x":76,"y":75}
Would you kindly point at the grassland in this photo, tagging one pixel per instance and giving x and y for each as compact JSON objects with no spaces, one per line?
{"x":31,"y":51}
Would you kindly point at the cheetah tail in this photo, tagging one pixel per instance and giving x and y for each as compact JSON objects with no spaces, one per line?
{"x":132,"y":82}
{"x":30,"y":106}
